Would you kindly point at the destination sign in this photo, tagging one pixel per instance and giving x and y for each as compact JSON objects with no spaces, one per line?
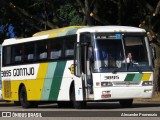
{"x":105,"y":36}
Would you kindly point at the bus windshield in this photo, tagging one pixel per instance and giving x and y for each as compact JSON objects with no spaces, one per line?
{"x":117,"y":53}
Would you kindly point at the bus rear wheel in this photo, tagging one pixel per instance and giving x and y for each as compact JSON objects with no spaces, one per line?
{"x":23,"y":99}
{"x":126,"y":103}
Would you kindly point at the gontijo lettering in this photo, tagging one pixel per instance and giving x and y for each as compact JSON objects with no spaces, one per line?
{"x":23,"y":71}
{"x":18,"y":72}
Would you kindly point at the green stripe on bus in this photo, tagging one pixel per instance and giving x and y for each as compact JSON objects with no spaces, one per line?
{"x":57,"y":79}
{"x":129,"y":77}
{"x":48,"y":81}
{"x":69,"y":31}
{"x":137,"y":77}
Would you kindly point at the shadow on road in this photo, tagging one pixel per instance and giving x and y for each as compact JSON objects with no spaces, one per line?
{"x":105,"y":105}
{"x":117,"y":105}
{"x":6,"y":104}
{"x":90,"y":105}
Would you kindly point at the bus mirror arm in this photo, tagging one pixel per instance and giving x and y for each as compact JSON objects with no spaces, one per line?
{"x":77,"y":58}
{"x":76,"y":62}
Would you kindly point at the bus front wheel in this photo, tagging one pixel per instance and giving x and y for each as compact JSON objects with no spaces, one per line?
{"x":77,"y":104}
{"x":126,"y":103}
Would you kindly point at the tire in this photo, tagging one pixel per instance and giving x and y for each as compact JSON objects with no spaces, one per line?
{"x":65,"y":104}
{"x":23,"y":99}
{"x":77,"y":104}
{"x":34,"y":104}
{"x":126,"y":103}
{"x":17,"y":103}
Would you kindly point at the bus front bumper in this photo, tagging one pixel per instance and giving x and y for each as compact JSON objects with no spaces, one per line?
{"x":123,"y":92}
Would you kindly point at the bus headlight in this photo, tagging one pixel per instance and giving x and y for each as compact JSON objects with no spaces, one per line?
{"x":147,"y":83}
{"x":106,"y":84}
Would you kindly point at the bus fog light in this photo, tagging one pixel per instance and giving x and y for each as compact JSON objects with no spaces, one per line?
{"x":147,"y":91}
{"x":104,"y":84}
{"x":106,"y":92}
{"x":147,"y":83}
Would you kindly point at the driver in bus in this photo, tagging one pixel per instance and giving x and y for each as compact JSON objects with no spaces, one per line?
{"x":129,"y":58}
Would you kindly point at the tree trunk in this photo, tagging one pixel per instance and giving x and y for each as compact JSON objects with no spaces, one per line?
{"x":157,"y":70}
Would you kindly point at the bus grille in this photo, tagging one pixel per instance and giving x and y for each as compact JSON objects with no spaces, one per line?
{"x":121,"y":83}
{"x":7,"y":88}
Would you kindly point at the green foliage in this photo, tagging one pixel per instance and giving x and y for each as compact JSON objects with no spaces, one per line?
{"x":31,"y":16}
{"x":69,"y":15}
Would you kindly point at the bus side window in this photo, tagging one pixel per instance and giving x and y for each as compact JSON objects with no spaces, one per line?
{"x":17,"y":53}
{"x":55,"y":54}
{"x":42,"y":49}
{"x":69,"y":47}
{"x":18,"y":58}
{"x":43,"y":55}
{"x":30,"y":57}
{"x":6,"y":55}
{"x":29,"y":52}
{"x":69,"y":53}
{"x":56,"y":49}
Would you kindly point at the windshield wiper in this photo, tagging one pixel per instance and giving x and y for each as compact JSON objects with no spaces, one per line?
{"x":115,"y":71}
{"x":103,"y":67}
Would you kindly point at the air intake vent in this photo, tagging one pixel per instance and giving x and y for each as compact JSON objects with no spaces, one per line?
{"x":121,"y":83}
{"x":7,"y":88}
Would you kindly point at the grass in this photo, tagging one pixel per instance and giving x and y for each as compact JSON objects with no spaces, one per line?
{"x":155,"y":98}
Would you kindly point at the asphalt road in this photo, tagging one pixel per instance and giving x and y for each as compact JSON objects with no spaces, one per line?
{"x":94,"y":111}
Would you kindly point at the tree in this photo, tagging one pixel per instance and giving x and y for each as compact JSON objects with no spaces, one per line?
{"x":151,"y":24}
{"x":69,"y":15}
{"x":31,"y":16}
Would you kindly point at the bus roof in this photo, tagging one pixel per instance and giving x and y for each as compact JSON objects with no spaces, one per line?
{"x":110,"y":29}
{"x":71,"y":31}
{"x":78,"y":29}
{"x":59,"y":31}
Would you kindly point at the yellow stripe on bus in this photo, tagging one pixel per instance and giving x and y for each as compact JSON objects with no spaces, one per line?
{"x":37,"y":85}
{"x":146,"y":76}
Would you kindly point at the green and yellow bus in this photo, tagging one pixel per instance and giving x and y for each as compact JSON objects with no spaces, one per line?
{"x":77,"y":64}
